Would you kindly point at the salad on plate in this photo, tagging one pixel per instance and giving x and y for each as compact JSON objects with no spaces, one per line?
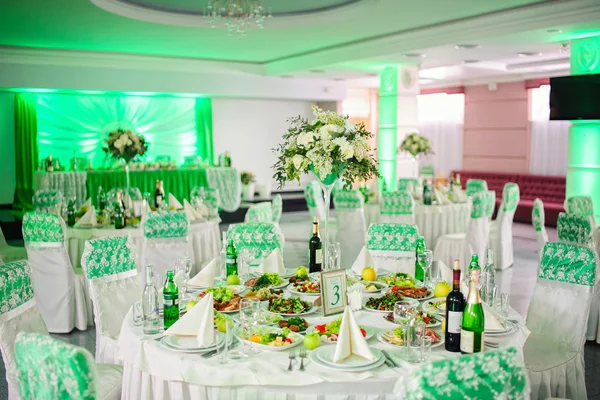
{"x":264,"y":294}
{"x":399,"y":279}
{"x":292,"y":305}
{"x":269,"y":336}
{"x":429,"y":319}
{"x":330,"y":331}
{"x":224,"y":299}
{"x":295,"y":324}
{"x":306,"y":287}
{"x":268,"y":279}
{"x":383,"y":303}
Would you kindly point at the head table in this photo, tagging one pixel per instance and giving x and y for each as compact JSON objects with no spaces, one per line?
{"x":154,"y":372}
{"x":433,"y":221}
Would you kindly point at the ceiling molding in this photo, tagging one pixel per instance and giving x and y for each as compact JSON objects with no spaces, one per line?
{"x":525,"y":18}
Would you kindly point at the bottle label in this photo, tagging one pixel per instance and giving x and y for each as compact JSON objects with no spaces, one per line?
{"x":170,"y":300}
{"x":319,"y":256}
{"x":454,"y":321}
{"x":467,"y":341}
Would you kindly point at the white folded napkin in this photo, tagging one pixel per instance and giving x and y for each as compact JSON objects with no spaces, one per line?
{"x":492,"y":319}
{"x":191,"y":212}
{"x":350,"y":340}
{"x":88,"y":204}
{"x":364,"y":259}
{"x":441,"y":198}
{"x":89,"y":218}
{"x":459,"y":196}
{"x":273,"y":263}
{"x":199,"y":322}
{"x":446,"y":271}
{"x":173,"y":202}
{"x":206,"y":277}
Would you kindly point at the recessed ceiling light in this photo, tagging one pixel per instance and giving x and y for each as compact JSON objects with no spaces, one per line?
{"x":415,"y":55}
{"x":373,"y":74}
{"x":470,"y":61}
{"x":466,"y":46}
{"x":316,"y":71}
{"x":529,"y":54}
{"x":554,"y":30}
{"x":287,"y":76}
{"x":339,"y":79}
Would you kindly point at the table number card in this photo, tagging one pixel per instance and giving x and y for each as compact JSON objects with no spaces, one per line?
{"x":333,"y":291}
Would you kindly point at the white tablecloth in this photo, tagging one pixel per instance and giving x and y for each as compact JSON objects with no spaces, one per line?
{"x":433,"y":221}
{"x":153,"y":372}
{"x":204,"y":239}
{"x":69,"y":183}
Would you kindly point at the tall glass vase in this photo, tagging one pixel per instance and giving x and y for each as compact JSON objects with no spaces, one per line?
{"x":126,"y":195}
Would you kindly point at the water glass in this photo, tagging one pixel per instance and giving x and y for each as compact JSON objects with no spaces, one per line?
{"x":334,"y":255}
{"x":223,"y":347}
{"x":138,"y":313}
{"x":425,"y":348}
{"x":404,"y":314}
{"x":183,"y":267}
{"x":504,"y":304}
{"x":426,"y":259}
{"x":249,"y":315}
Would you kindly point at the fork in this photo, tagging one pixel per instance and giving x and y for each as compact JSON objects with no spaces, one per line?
{"x":292,"y":358}
{"x":302,"y":357}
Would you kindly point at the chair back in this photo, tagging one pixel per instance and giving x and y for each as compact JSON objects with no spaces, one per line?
{"x":478,"y":228}
{"x":475,"y":185}
{"x":18,"y":313}
{"x":537,"y":215}
{"x":574,"y":229}
{"x":166,"y":224}
{"x":392,"y":237}
{"x":490,"y":203}
{"x":265,"y":237}
{"x":348,"y":200}
{"x":426,"y":171}
{"x":510,"y":197}
{"x":277,"y":206}
{"x":52,"y":369}
{"x":48,"y":200}
{"x":260,"y":212}
{"x":498,"y":374}
{"x":212,"y":201}
{"x":397,"y":203}
{"x":43,"y":229}
{"x":109,"y":265}
{"x":580,"y":205}
{"x":409,"y":185}
{"x":480,"y":207}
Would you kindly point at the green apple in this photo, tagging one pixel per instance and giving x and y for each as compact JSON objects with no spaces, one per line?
{"x":233,"y":280}
{"x":190,"y":304}
{"x":312,"y":340}
{"x":301,"y":272}
{"x":221,"y":325}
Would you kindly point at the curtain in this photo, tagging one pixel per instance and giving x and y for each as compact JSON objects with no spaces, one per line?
{"x":26,"y":148}
{"x":441,"y":120}
{"x":549,"y":139}
{"x":204,"y":129}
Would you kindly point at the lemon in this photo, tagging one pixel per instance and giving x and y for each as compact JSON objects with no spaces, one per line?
{"x":369,"y":274}
{"x":442,"y":289}
{"x":190,"y":304}
{"x":233,"y":280}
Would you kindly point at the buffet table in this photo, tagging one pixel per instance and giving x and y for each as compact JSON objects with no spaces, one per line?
{"x":204,"y":239}
{"x":433,"y":221}
{"x":153,"y":372}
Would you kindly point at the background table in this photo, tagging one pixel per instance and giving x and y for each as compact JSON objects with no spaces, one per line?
{"x":151,"y":371}
{"x":70,"y":183}
{"x":433,"y":221}
{"x":204,"y":239}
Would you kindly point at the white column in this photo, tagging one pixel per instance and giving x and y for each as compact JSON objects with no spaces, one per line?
{"x":407,"y":118}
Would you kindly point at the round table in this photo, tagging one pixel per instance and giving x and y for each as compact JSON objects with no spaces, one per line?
{"x":154,"y":372}
{"x":204,"y":239}
{"x":433,"y":221}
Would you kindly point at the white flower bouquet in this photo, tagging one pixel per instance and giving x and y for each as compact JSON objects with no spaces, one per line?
{"x":416,"y":144}
{"x":125,"y":145}
{"x":330,"y":146}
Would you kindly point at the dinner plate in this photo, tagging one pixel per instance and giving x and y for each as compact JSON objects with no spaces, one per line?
{"x":190,"y":342}
{"x":382,"y":339}
{"x":296,"y":340}
{"x":284,"y":282}
{"x":426,"y":303}
{"x":370,"y":333}
{"x":293,"y":290}
{"x":313,"y":357}
{"x":326,"y":353}
{"x":511,"y":328}
{"x":167,"y":346}
{"x":265,"y":306}
{"x":314,"y":276}
{"x":381,"y":286}
{"x":380,"y":273}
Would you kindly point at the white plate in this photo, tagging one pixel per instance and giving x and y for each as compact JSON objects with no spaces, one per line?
{"x":313,"y":357}
{"x":296,"y":340}
{"x":314,"y":276}
{"x":370,"y":333}
{"x":293,"y":290}
{"x":265,"y":306}
{"x":511,"y":328}
{"x":380,"y":273}
{"x":190,"y":342}
{"x":167,"y":346}
{"x":426,"y":304}
{"x":380,"y":285}
{"x":437,"y":323}
{"x":383,"y":340}
{"x":326,"y":353}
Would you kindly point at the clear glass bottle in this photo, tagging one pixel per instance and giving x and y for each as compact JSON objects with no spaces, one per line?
{"x":223,"y":258}
{"x":488,"y":277}
{"x":150,"y":305}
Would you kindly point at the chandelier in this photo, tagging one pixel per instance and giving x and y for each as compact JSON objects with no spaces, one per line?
{"x":236,"y":15}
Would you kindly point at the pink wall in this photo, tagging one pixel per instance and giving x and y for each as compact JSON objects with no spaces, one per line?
{"x":496,"y":136}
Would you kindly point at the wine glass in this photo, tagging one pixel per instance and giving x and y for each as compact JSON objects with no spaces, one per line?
{"x":249,"y":314}
{"x":183,"y":267}
{"x":426,"y":258}
{"x":404,"y":314}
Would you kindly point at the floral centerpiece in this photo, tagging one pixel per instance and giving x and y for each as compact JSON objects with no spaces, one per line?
{"x":416,"y":144}
{"x":125,"y":145}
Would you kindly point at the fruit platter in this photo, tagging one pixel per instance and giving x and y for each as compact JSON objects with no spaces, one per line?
{"x":295,"y":324}
{"x":396,"y":337}
{"x":264,"y":294}
{"x":267,"y":280}
{"x":329,"y":332}
{"x":420,"y":293}
{"x":435,"y":306}
{"x":308,"y":288}
{"x":271,"y":338}
{"x":291,"y":307}
{"x":430,"y":320}
{"x":225,"y":300}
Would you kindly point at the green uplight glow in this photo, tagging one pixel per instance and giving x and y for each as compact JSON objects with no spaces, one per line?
{"x":105,"y":92}
{"x":386,"y":137}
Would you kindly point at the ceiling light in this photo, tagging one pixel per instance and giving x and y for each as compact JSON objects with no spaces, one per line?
{"x":316,"y":71}
{"x":339,"y":79}
{"x":415,"y":55}
{"x":287,"y":76}
{"x":373,"y":74}
{"x":466,"y":46}
{"x":529,"y":54}
{"x":554,"y":30}
{"x":236,"y":16}
{"x":470,"y":61}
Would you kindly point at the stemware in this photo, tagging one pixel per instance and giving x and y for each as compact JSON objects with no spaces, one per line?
{"x":426,"y":258}
{"x":183,"y":267}
{"x":404,"y":314}
{"x":249,"y":314}
{"x":334,"y":255}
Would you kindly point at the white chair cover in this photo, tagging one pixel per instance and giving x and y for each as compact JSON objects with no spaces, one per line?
{"x":61,"y":295}
{"x":397,"y":207}
{"x":260,"y":212}
{"x":265,"y":237}
{"x":18,"y":313}
{"x":109,"y":264}
{"x":48,"y":200}
{"x":392,"y":247}
{"x":410,"y":185}
{"x":277,"y":208}
{"x":351,"y":228}
{"x":474,"y":186}
{"x":501,"y":239}
{"x":537,"y":219}
{"x":557,"y":319}
{"x":165,"y":240}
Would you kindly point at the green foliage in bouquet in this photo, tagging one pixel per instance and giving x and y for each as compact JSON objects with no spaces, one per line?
{"x":416,"y":144}
{"x":125,"y":145}
{"x":247,"y":177}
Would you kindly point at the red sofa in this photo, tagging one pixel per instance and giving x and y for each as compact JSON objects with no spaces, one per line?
{"x":551,"y":189}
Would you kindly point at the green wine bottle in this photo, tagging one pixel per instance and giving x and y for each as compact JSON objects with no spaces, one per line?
{"x":119,"y":216}
{"x":473,"y":322}
{"x":474,"y":269}
{"x":231,"y":259}
{"x":170,"y":301}
{"x":419,"y":272}
{"x":71,"y":213}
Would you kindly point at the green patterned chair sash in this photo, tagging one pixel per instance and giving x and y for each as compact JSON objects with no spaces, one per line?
{"x":41,"y":227}
{"x":348,"y":200}
{"x":568,"y":263}
{"x":134,"y":194}
{"x":537,"y":215}
{"x":510,"y":197}
{"x":52,"y":369}
{"x":312,"y":191}
{"x":480,"y":206}
{"x":46,"y":199}
{"x":211,"y":198}
{"x":277,"y":208}
{"x":408,"y":185}
{"x":475,"y":186}
{"x":426,"y":170}
{"x":580,"y":205}
{"x":166,"y":224}
{"x":108,"y":256}
{"x":392,"y":237}
{"x":259,"y":212}
{"x":498,"y":374}
{"x":265,"y":237}
{"x":16,"y":288}
{"x":397,"y":203}
{"x":227,"y":183}
{"x":574,"y":229}
{"x":490,"y":203}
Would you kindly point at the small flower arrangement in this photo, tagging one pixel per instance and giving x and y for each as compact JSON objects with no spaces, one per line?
{"x":416,"y":144}
{"x":247,"y":177}
{"x":125,"y":145}
{"x":330,"y":144}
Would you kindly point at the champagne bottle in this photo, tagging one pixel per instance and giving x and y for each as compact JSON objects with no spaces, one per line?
{"x":474,"y":271}
{"x":101,"y":199}
{"x":419,"y":271}
{"x":473,"y":322}
{"x":426,"y":193}
{"x":455,"y":305}
{"x":315,"y":251}
{"x":231,"y":259}
{"x":119,"y":216}
{"x":159,"y":195}
{"x":150,"y":305}
{"x":170,"y":301}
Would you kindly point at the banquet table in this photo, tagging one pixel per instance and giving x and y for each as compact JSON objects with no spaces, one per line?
{"x":433,"y":221}
{"x":204,"y":239}
{"x":154,"y":372}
